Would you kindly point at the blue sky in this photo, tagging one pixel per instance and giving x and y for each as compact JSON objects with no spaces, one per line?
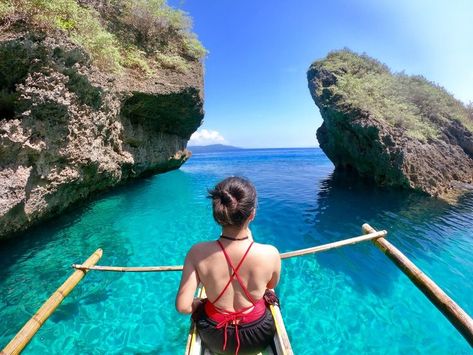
{"x":259,"y":51}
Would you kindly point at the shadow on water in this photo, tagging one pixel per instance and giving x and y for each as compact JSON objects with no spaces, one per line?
{"x":60,"y":228}
{"x":414,"y":221}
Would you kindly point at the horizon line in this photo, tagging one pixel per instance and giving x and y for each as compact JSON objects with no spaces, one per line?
{"x":240,"y":147}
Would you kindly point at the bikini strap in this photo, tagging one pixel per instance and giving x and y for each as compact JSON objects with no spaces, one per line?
{"x":235,"y":274}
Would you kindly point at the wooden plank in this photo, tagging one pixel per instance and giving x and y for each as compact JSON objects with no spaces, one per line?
{"x":281,"y":341}
{"x":194,"y":345}
{"x":23,"y":337}
{"x":451,"y":310}
{"x":291,"y":254}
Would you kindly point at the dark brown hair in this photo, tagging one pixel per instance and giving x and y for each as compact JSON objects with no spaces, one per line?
{"x":233,"y":200}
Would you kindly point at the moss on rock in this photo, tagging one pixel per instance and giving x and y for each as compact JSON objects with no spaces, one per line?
{"x":134,"y":34}
{"x":82,"y":109}
{"x":412,"y":103}
{"x":393,"y":128}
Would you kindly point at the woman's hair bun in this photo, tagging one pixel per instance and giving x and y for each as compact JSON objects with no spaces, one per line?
{"x":227,"y":199}
{"x":233,"y":200}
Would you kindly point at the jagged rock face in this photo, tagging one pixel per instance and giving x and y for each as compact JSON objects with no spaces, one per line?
{"x":361,"y":135}
{"x":68,"y":130}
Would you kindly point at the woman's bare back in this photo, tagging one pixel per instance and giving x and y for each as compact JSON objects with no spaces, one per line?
{"x":259,"y":271}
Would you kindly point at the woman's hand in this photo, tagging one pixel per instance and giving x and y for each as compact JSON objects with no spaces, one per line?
{"x":196,"y":303}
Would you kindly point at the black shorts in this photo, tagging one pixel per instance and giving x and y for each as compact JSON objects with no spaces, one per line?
{"x":254,"y":336}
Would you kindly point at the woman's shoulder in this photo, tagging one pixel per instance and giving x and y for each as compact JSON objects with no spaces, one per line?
{"x":202,"y":247}
{"x":267,"y":249}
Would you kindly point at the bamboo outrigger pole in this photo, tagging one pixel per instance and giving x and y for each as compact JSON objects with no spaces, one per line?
{"x":22,"y":338}
{"x":452,"y":311}
{"x":291,"y":254}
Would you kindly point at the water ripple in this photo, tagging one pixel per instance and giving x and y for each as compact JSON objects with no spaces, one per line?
{"x":350,"y":300}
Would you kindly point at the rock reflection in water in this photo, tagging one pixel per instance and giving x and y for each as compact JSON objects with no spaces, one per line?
{"x":345,"y":202}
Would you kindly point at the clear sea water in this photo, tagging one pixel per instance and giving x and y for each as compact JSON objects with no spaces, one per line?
{"x":350,"y":300}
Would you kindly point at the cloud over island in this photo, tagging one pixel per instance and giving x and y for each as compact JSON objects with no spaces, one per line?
{"x":205,"y":136}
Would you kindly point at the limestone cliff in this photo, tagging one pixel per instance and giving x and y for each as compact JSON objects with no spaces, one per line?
{"x":72,"y":125}
{"x":396,"y":129}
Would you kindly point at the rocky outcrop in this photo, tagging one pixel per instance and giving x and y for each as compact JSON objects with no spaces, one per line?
{"x":68,"y":129}
{"x":398,"y":130}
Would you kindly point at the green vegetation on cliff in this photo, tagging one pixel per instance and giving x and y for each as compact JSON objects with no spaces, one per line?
{"x":117,"y":34}
{"x":408,"y":102}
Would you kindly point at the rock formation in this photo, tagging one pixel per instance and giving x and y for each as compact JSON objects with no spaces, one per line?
{"x":69,"y":128}
{"x":398,"y":130}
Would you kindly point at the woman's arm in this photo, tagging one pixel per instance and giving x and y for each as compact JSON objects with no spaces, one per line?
{"x":276,"y":269}
{"x":185,"y":302}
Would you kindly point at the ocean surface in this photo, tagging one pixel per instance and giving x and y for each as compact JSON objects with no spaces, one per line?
{"x":347,"y":301}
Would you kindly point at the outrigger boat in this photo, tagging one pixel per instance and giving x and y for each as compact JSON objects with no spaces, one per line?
{"x":451,"y":310}
{"x":279,"y":346}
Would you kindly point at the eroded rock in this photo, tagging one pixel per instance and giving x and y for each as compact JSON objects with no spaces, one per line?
{"x":68,"y":130}
{"x":396,"y":129}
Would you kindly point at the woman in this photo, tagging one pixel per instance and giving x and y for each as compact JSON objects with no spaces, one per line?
{"x":236,"y":273}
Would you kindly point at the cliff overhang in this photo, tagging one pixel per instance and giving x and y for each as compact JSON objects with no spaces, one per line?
{"x":70,"y":128}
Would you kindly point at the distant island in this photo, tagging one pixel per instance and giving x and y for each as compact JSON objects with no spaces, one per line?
{"x":396,"y":129}
{"x":211,"y":148}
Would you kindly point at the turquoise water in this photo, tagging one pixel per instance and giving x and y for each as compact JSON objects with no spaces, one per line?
{"x":350,"y":300}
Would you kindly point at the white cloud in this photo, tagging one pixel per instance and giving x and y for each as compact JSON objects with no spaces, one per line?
{"x":204,"y":137}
